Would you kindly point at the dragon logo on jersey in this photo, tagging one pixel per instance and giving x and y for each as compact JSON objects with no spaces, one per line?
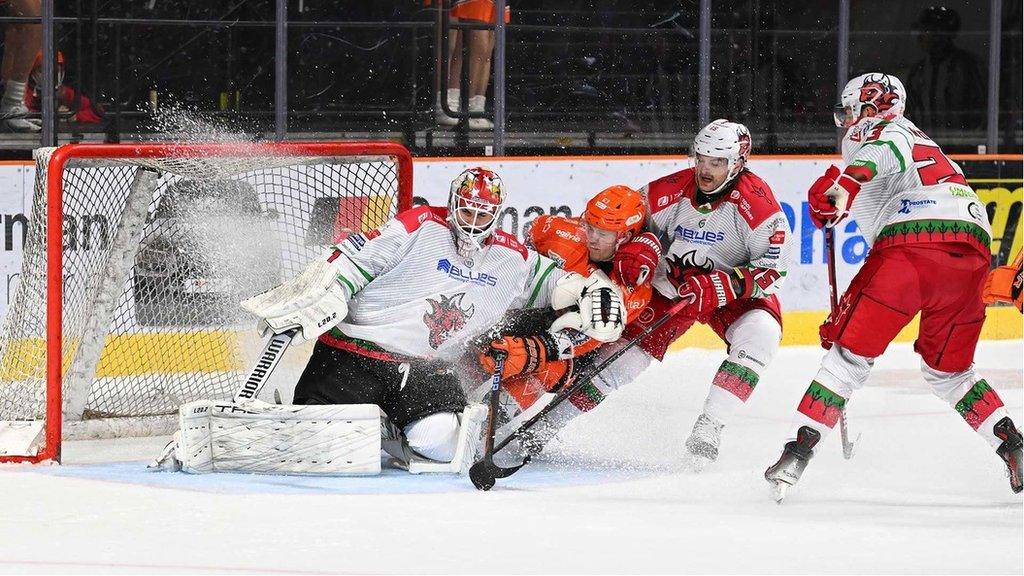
{"x":683,"y":265}
{"x":445,"y":318}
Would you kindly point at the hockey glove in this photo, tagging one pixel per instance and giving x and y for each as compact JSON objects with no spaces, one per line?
{"x":707,"y":292}
{"x":596,"y":303}
{"x":314,"y":301}
{"x":634,"y":262}
{"x":1004,"y":285}
{"x":526,"y":355}
{"x":831,"y":196}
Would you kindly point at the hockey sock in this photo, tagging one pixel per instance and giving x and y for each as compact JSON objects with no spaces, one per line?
{"x":981,"y":407}
{"x":732,"y":385}
{"x":819,"y":408}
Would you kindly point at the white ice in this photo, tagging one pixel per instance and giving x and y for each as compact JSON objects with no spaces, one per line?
{"x":923,"y":494}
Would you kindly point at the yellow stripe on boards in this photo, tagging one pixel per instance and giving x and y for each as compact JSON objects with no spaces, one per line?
{"x":801,"y":328}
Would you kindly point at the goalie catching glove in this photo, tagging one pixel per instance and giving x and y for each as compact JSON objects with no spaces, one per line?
{"x":598,"y":310}
{"x":313,"y":302}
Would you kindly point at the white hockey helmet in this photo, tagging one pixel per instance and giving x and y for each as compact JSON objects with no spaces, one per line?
{"x":723,"y":139}
{"x":475,"y":194}
{"x":883,"y":92}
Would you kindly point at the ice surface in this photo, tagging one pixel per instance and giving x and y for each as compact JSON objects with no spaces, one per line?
{"x":923,"y":494}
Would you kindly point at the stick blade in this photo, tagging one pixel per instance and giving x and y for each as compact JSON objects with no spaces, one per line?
{"x":485,"y":472}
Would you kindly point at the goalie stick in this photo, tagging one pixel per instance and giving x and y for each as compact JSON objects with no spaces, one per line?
{"x":830,"y":244}
{"x":264,"y":367}
{"x":485,"y":472}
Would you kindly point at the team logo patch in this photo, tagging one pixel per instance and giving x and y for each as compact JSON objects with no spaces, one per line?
{"x":453,"y":271}
{"x":908,"y":205}
{"x":446,"y":317}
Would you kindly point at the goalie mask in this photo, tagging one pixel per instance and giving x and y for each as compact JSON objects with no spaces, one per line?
{"x":883,"y":92}
{"x":474,"y":204}
{"x":722,"y":142}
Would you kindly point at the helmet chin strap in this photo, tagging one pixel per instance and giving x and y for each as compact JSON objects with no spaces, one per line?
{"x":729,"y":179}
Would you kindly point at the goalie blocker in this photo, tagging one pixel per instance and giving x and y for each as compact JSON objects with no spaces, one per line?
{"x":328,"y":440}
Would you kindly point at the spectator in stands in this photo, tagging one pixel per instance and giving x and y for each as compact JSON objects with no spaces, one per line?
{"x":481,"y":44}
{"x":21,"y":43}
{"x":947,"y":84}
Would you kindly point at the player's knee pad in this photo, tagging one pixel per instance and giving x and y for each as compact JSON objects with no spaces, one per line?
{"x":754,"y":339}
{"x":623,"y":370}
{"x":843,"y":371}
{"x":950,"y":386}
{"x":435,"y":436}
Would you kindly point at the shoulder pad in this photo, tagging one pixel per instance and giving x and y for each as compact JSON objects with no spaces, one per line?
{"x":754,"y":199}
{"x":561,"y":239}
{"x":668,"y":190}
{"x":413,"y":218}
{"x":506,"y":240}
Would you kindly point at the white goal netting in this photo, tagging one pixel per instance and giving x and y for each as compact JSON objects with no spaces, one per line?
{"x":158,"y":250}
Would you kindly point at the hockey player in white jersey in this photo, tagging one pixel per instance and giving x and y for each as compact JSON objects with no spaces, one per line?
{"x":929,"y":237}
{"x":397,"y":306}
{"x":727,"y":251}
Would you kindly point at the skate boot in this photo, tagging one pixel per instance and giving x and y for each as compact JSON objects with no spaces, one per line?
{"x":1010,"y":450}
{"x":702,"y":445}
{"x":795,"y":456}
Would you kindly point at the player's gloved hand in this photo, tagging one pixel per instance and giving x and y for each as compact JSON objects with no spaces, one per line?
{"x":599,"y":312}
{"x":1004,"y":284}
{"x":830,"y":197}
{"x":707,"y":292}
{"x":526,"y":354}
{"x":634,"y":262}
{"x":313,"y":302}
{"x":826,"y":333}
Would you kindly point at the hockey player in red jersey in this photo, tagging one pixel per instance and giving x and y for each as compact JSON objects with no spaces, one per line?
{"x":394,"y":309}
{"x":728,"y":249}
{"x":608,"y":237}
{"x":930,"y":255}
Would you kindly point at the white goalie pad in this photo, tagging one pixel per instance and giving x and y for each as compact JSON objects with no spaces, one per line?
{"x":279,"y":439}
{"x":21,"y":437}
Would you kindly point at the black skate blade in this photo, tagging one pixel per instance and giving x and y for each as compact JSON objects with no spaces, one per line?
{"x":485,"y":472}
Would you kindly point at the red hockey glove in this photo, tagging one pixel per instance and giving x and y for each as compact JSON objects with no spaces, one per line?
{"x":830,"y":197}
{"x":634,"y":262}
{"x":523,"y":355}
{"x":826,"y":332}
{"x":707,"y":292}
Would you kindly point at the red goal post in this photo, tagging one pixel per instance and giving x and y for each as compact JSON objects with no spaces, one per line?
{"x":141,"y":246}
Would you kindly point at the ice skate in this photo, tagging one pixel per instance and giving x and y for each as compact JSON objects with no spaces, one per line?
{"x":702,"y":445}
{"x":1010,"y":450}
{"x":795,"y":456}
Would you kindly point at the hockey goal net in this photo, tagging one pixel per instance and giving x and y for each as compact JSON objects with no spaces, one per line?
{"x":135,"y":259}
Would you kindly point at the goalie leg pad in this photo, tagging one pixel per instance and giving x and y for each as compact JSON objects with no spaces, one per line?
{"x":279,"y":439}
{"x":467,"y":443}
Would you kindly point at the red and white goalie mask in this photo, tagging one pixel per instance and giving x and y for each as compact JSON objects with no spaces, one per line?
{"x":884,"y":93}
{"x":474,"y":205}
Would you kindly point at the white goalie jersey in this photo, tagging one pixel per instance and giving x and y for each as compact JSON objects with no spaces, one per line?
{"x":915,"y":193}
{"x":412,"y":295}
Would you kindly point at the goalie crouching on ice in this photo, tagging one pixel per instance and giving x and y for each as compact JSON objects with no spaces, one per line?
{"x":393,"y":309}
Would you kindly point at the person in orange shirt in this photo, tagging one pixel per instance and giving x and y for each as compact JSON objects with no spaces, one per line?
{"x":1004,"y":284}
{"x":607,"y":239}
{"x":481,"y":46}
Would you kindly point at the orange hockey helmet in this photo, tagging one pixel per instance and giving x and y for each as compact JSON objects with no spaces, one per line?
{"x":617,"y":209}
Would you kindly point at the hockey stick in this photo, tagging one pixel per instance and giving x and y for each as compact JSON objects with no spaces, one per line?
{"x":265,"y":364}
{"x":484,"y":472}
{"x":830,"y":245}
